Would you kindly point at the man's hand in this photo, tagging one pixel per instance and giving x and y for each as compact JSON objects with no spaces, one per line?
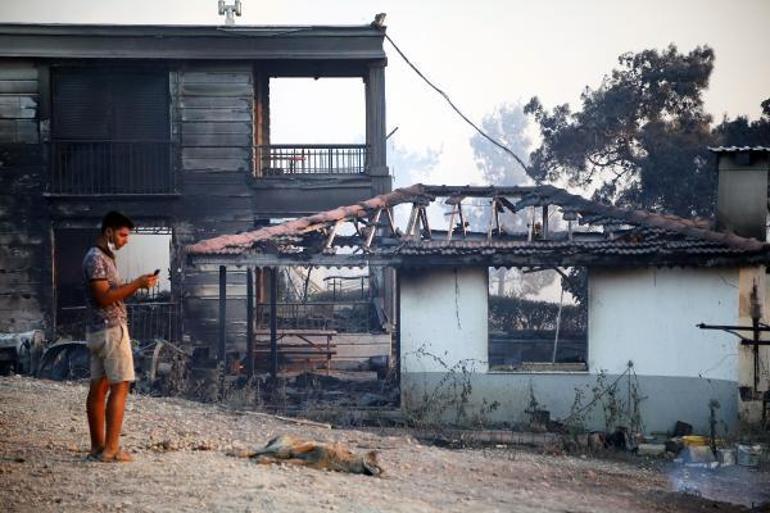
{"x":104,"y":295}
{"x":147,"y":281}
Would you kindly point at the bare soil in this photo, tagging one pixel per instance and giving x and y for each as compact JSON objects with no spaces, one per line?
{"x":182,"y":465}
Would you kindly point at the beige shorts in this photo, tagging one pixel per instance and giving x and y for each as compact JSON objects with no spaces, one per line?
{"x":111,"y":354}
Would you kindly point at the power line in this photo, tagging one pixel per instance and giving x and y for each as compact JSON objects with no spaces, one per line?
{"x":457,"y":110}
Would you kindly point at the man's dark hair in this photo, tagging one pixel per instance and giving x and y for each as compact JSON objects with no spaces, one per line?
{"x":116,"y":220}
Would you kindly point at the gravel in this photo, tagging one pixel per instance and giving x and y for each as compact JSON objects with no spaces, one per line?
{"x":182,"y":464}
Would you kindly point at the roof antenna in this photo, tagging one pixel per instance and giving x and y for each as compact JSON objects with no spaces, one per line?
{"x":229,"y":11}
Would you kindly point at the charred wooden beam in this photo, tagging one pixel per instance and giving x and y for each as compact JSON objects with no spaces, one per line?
{"x":452,"y":222}
{"x":249,"y":322}
{"x":425,"y":224}
{"x":372,"y":229}
{"x":273,"y":322}
{"x":222,"y":312}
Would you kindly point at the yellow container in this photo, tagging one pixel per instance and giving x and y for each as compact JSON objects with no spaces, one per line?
{"x":695,"y":440}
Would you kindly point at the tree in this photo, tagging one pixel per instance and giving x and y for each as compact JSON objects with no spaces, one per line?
{"x":640,"y":139}
{"x":742,"y":132}
{"x":507,"y":124}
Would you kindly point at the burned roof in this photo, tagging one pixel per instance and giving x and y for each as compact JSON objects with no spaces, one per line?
{"x":588,"y":233}
{"x":217,"y":42}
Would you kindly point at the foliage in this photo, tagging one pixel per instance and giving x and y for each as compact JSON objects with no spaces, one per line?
{"x":641,"y":138}
{"x":508,"y":125}
{"x":640,"y":134}
{"x":512,"y":313}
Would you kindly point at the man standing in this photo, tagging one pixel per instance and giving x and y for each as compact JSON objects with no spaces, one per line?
{"x":112,"y":363}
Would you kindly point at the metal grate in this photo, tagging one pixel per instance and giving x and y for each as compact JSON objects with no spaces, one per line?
{"x":146,"y":321}
{"x":112,"y":167}
{"x":311,"y":159}
{"x":343,"y":317}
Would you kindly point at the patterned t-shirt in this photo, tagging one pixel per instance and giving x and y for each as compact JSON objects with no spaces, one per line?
{"x":98,"y":265}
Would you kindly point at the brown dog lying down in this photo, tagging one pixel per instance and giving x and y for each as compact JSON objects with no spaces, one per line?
{"x":337,"y":457}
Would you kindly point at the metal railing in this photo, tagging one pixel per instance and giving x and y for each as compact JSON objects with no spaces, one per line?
{"x":112,"y":167}
{"x":343,"y":317}
{"x":310,"y":159}
{"x":146,"y":321}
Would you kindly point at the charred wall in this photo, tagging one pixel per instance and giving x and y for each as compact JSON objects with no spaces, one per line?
{"x":218,"y":112}
{"x":25,"y":271}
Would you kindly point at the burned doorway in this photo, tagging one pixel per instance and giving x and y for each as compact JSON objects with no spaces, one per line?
{"x":151,"y":314}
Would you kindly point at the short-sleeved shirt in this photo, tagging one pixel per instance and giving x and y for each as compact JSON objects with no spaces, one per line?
{"x":100,"y":265}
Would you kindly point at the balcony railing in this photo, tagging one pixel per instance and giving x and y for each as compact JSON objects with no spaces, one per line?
{"x":112,"y":167}
{"x":311,"y":159}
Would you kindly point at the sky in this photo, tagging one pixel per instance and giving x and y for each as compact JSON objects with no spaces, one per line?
{"x":483,"y":53}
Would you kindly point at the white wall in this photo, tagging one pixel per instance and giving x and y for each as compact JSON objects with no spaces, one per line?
{"x":648,"y":316}
{"x":444,"y":311}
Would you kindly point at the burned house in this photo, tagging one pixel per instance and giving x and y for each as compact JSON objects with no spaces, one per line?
{"x":653,"y":282}
{"x":170,"y":125}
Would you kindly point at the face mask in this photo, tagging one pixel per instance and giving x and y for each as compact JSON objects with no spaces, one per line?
{"x":110,"y":243}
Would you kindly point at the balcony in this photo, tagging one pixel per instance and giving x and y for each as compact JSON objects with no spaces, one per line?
{"x":112,"y":167}
{"x":311,"y":159}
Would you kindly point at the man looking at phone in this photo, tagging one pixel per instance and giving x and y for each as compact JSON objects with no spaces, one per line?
{"x":112,"y":363}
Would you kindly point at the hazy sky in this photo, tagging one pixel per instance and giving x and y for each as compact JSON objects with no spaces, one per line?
{"x":482,"y":52}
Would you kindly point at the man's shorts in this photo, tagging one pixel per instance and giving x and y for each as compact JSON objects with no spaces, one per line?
{"x":111,"y":354}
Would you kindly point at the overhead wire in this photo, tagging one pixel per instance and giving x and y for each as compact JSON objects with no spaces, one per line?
{"x":456,"y":109}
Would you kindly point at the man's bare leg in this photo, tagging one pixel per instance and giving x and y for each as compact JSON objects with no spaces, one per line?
{"x":95,"y":409}
{"x":116,"y":406}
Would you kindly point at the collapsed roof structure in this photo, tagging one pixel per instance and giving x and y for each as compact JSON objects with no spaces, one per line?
{"x":584,"y":233}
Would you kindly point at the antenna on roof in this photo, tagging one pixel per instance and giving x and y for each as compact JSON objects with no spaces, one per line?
{"x":229,"y":11}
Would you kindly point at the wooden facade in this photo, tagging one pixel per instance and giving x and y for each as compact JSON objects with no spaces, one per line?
{"x":218,"y":112}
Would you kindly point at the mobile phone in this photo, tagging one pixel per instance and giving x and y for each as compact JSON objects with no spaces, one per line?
{"x":157,"y":272}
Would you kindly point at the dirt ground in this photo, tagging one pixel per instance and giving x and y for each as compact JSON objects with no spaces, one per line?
{"x":182,"y":465}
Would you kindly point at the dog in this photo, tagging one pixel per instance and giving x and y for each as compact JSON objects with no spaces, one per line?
{"x":336,"y":457}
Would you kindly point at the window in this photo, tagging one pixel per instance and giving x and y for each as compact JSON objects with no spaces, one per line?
{"x":110,"y":132}
{"x":537,"y":319}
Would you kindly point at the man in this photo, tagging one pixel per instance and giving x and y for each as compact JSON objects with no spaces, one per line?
{"x":112,"y":363}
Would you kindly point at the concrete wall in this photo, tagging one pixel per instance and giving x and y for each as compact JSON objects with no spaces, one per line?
{"x":444,"y":320}
{"x":646,"y":316}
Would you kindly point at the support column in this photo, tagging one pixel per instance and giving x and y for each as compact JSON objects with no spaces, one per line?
{"x":376,"y":128}
{"x":222,"y":312}
{"x":274,"y":322}
{"x":249,"y":322}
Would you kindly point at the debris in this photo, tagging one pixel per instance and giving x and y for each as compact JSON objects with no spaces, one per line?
{"x":651,"y":449}
{"x":682,"y":429}
{"x":373,"y":400}
{"x":292,"y":420}
{"x":726,"y":457}
{"x":697,"y":454}
{"x":621,"y":439}
{"x":749,"y":455}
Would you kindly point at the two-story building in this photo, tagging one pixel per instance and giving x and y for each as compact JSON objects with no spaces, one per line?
{"x":171,"y":125}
